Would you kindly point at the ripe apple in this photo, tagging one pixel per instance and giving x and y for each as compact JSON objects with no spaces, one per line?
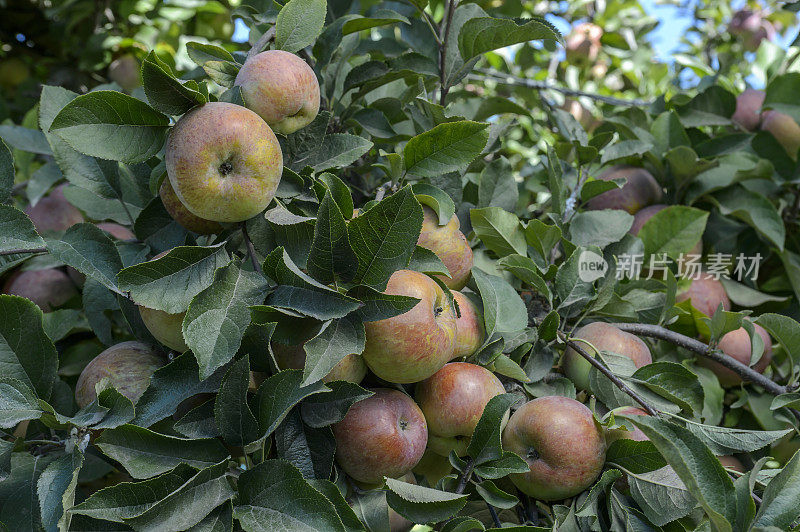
{"x":182,"y":215}
{"x":453,"y":400}
{"x":642,"y":216}
{"x":119,"y":232}
{"x":736,"y":344}
{"x":351,"y":368}
{"x":224,"y":162}
{"x":604,"y":337}
{"x":49,"y":288}
{"x":53,"y":212}
{"x":469,"y":327}
{"x":784,"y":129}
{"x":281,"y":88}
{"x":706,"y":294}
{"x":381,"y":436}
{"x":126,"y":366}
{"x":415,"y":345}
{"x":640,"y":190}
{"x":125,"y":72}
{"x":562,"y":444}
{"x":449,"y":244}
{"x":748,"y":109}
{"x":583,"y":43}
{"x":635,"y":434}
{"x":165,"y":327}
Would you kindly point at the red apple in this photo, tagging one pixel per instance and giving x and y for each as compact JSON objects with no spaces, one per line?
{"x":184,"y":216}
{"x":47,"y":288}
{"x":117,"y":231}
{"x":640,"y":190}
{"x":469,"y":327}
{"x":53,"y":212}
{"x":706,"y":294}
{"x":736,"y":344}
{"x":748,"y":109}
{"x":351,"y":368}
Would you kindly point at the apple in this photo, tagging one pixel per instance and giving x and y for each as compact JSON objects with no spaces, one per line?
{"x":752,"y":28}
{"x":604,"y":337}
{"x":706,"y":294}
{"x":634,"y":433}
{"x":432,"y":467}
{"x":784,"y":129}
{"x":281,"y":88}
{"x":224,"y":162}
{"x":165,"y":327}
{"x":124,"y":70}
{"x":127,"y":366}
{"x":469,"y":327}
{"x":731,"y":462}
{"x":53,"y":212}
{"x":449,"y":244}
{"x":580,"y":113}
{"x":562,"y":444}
{"x":641,"y":217}
{"x":182,"y":215}
{"x":412,"y":346}
{"x":48,"y":288}
{"x":736,"y":344}
{"x":748,"y":109}
{"x":117,"y":231}
{"x":381,"y":436}
{"x":640,"y":190}
{"x":351,"y":368}
{"x":583,"y":43}
{"x":453,"y":400}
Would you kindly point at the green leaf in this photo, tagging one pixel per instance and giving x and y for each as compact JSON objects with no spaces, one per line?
{"x":380,"y":17}
{"x":337,"y":150}
{"x":420,"y":504}
{"x":6,"y":171}
{"x":17,"y":403}
{"x":89,"y":250}
{"x":426,"y":261}
{"x":24,"y":139}
{"x":668,"y":132}
{"x":218,"y":316}
{"x":26,"y":353}
{"x":503,"y":309}
{"x":144,"y":453}
{"x":236,"y":422}
{"x":337,"y":339}
{"x":485,"y":444}
{"x":599,"y":228}
{"x":661,"y":495}
{"x":201,"y":53}
{"x":493,"y":495}
{"x":542,"y":237}
{"x":331,"y":254}
{"x":673,"y":231}
{"x":172,"y":281}
{"x":340,"y":192}
{"x":497,"y":186}
{"x":56,"y":489}
{"x":19,"y":501}
{"x":16,"y":230}
{"x":343,"y":508}
{"x":279,"y":394}
{"x":112,"y":125}
{"x":274,"y":495}
{"x":785,"y":330}
{"x":164,"y":92}
{"x":385,"y":236}
{"x":731,"y":440}
{"x":526,"y":271}
{"x":634,"y":456}
{"x":222,"y":72}
{"x":484,"y":34}
{"x":326,"y":409}
{"x":448,"y":147}
{"x":781,"y":94}
{"x":674,"y":382}
{"x":380,"y":306}
{"x":309,"y":449}
{"x":299,"y":24}
{"x":753,"y":209}
{"x":625,"y":148}
{"x":499,"y":230}
{"x":437,"y":199}
{"x":779,"y":507}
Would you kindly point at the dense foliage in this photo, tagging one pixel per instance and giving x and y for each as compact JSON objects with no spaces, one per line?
{"x":475,"y":187}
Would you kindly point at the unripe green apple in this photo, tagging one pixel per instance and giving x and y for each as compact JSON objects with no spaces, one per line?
{"x":184,"y":216}
{"x":784,"y":129}
{"x":281,"y":88}
{"x":642,"y":216}
{"x":469,"y":327}
{"x":381,"y":436}
{"x":351,"y":368}
{"x":562,"y":444}
{"x":604,"y":337}
{"x":583,"y":43}
{"x":432,"y":467}
{"x":127,"y":366}
{"x":748,"y":109}
{"x":415,"y":345}
{"x":706,"y":294}
{"x":640,"y":190}
{"x":224,"y":162}
{"x":165,"y":327}
{"x":453,"y":400}
{"x":449,"y":244}
{"x":53,"y":212}
{"x":736,"y":344}
{"x":48,"y":289}
{"x":119,"y":232}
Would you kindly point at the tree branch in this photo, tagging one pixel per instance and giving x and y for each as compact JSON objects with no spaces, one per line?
{"x":443,"y":50}
{"x":573,"y":197}
{"x":261,"y":43}
{"x":23,"y":250}
{"x":251,"y":250}
{"x":464,"y":478}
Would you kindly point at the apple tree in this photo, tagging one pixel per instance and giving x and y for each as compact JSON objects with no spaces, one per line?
{"x":398,"y":264}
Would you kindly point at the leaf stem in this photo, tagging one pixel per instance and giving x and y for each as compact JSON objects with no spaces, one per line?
{"x":22,"y":250}
{"x":251,"y":250}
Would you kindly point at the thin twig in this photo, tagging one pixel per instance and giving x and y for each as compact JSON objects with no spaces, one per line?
{"x":464,"y":478}
{"x":251,"y":250}
{"x":443,"y":50}
{"x":573,"y":197}
{"x":495,"y":517}
{"x":261,"y":43}
{"x":23,"y":250}
{"x":607,"y":372}
{"x":508,"y":79}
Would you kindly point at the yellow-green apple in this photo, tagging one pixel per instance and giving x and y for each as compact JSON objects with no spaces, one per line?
{"x":469,"y":327}
{"x":706,"y":294}
{"x":127,"y":367}
{"x":633,"y":432}
{"x":642,"y":216}
{"x":165,"y":327}
{"x":583,"y":43}
{"x":432,"y":467}
{"x":48,"y":288}
{"x":184,"y":216}
{"x":561,"y":442}
{"x":224,"y":162}
{"x":604,"y":337}
{"x":453,"y":400}
{"x":449,"y":244}
{"x":748,"y":109}
{"x":640,"y":190}
{"x":351,"y":368}
{"x":737,"y":345}
{"x":784,"y":129}
{"x":414,"y":345}
{"x":281,"y":88}
{"x":124,"y":70}
{"x":119,"y":232}
{"x":53,"y":212}
{"x":381,"y":436}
